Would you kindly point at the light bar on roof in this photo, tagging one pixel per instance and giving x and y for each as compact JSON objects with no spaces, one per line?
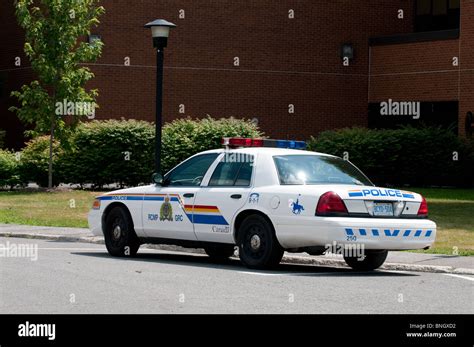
{"x":236,"y":142}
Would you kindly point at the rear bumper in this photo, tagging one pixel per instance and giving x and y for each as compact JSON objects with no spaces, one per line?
{"x":373,"y":233}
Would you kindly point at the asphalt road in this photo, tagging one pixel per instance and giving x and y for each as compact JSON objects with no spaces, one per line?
{"x":83,"y":278}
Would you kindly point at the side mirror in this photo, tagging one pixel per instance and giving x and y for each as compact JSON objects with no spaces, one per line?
{"x":157,"y":178}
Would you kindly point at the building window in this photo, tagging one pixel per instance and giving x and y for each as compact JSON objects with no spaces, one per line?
{"x":434,"y":15}
{"x":442,"y":114}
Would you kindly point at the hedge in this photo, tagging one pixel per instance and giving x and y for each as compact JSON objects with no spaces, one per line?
{"x":406,"y":156}
{"x":107,"y":152}
{"x":9,"y":175}
{"x":185,"y":137}
{"x":34,"y":162}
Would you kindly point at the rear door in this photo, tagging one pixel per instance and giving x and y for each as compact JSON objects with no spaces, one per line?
{"x":226,"y":192}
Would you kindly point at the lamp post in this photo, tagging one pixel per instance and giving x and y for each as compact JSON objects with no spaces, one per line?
{"x":160,"y":30}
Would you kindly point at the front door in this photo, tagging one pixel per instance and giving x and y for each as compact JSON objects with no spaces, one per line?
{"x":167,"y":209}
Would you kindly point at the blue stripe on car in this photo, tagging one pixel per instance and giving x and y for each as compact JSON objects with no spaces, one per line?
{"x":387,"y":232}
{"x":209,"y":219}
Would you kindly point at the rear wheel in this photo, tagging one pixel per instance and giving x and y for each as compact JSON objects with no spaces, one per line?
{"x":258,"y":245}
{"x":373,"y":260}
{"x":119,"y":234}
{"x":219,"y":253}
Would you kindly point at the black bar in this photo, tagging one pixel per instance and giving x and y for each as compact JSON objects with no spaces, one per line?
{"x":336,"y":329}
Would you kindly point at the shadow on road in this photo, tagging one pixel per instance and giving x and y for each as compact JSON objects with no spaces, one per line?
{"x":198,"y":260}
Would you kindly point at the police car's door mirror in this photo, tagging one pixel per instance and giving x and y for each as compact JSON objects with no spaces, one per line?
{"x":157,"y":178}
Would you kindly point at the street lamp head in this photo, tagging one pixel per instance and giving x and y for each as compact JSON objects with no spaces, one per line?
{"x":160,"y":30}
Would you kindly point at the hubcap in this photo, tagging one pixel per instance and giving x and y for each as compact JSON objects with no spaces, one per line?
{"x":117,"y":232}
{"x":255,"y":242}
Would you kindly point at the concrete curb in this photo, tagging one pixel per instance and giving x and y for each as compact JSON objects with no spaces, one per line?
{"x":289,"y":259}
{"x":91,"y":239}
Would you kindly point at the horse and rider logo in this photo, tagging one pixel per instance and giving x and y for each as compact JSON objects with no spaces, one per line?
{"x":166,"y":210}
{"x":295,"y":206}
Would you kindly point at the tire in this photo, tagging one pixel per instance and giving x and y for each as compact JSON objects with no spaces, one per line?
{"x":258,"y":245}
{"x":373,"y":260}
{"x":220,"y":253}
{"x":119,"y":234}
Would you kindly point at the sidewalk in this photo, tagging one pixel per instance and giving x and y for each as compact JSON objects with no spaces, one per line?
{"x":406,"y":261}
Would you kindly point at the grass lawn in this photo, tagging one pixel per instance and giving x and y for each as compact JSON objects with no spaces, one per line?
{"x":61,"y":208}
{"x":451,"y":209}
{"x":453,"y":212}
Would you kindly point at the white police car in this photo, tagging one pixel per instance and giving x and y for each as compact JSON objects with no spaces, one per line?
{"x":266,"y":197}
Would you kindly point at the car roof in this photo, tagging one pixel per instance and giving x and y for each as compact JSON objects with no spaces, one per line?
{"x":267,"y":151}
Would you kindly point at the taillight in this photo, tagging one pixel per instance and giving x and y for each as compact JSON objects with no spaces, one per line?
{"x":331,"y":204}
{"x":423,"y":210}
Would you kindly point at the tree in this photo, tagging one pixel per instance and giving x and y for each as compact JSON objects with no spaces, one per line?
{"x":55,"y":46}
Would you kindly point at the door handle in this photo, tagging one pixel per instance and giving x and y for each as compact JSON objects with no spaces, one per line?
{"x":188,"y":195}
{"x":236,"y":196}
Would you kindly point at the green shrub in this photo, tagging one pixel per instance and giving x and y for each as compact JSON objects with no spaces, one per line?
{"x":9,"y":176}
{"x":106,"y":152}
{"x":185,"y":137}
{"x":403,"y":156}
{"x":34,"y":162}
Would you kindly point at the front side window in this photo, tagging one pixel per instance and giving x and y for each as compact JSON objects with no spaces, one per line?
{"x":315,"y":169}
{"x":191,"y":172}
{"x":228,"y":173}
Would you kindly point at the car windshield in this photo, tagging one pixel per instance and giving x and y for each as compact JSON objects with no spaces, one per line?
{"x":315,"y":169}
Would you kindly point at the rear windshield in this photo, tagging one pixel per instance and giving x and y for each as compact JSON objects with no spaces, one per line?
{"x":314,"y":169}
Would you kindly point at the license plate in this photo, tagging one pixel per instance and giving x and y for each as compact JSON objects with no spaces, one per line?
{"x":383,"y":209}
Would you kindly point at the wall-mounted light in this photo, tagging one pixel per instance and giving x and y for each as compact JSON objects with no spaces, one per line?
{"x":93,"y":38}
{"x":347,"y":51}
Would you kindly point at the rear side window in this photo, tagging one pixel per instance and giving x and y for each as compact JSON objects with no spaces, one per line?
{"x":314,"y":169}
{"x":231,"y":174}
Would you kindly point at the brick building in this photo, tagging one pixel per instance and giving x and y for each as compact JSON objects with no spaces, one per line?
{"x":291,"y":74}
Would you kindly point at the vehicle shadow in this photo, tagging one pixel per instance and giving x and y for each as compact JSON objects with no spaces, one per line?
{"x":234,"y":264}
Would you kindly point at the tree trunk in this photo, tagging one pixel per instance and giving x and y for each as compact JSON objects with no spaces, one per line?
{"x":50,"y":164}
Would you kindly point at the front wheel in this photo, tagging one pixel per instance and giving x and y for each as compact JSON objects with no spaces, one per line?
{"x":373,"y":259}
{"x":258,"y":245}
{"x":119,"y":234}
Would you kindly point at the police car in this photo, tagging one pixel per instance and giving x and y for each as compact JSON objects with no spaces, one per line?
{"x":266,"y":197}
